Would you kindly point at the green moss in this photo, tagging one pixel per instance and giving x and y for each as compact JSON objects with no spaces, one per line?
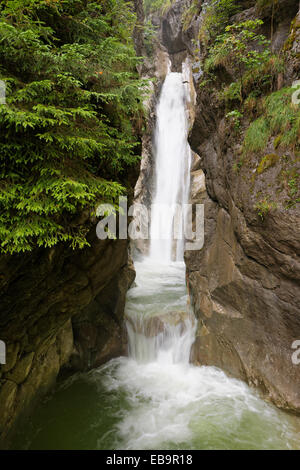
{"x":277,"y":141}
{"x":295,"y":25}
{"x":267,"y":162}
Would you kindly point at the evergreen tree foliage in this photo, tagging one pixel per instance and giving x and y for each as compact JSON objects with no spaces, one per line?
{"x":69,"y":125}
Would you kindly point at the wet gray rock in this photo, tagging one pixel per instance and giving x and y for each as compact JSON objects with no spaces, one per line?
{"x":244,"y":283}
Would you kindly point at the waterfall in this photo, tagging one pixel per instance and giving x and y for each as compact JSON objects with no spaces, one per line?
{"x":160,"y":325}
{"x":172,"y":403}
{"x":154,"y":398}
{"x":172,"y":171}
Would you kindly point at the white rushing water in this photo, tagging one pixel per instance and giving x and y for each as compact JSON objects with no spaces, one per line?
{"x":158,"y":304}
{"x":170,"y":403}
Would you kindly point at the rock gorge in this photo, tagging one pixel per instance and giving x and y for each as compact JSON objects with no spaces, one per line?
{"x":63,"y":311}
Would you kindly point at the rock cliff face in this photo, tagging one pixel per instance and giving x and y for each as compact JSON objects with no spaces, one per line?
{"x":173,"y":36}
{"x":244,"y":283}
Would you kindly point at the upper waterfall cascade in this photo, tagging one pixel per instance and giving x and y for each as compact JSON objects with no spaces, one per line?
{"x":172,"y":171}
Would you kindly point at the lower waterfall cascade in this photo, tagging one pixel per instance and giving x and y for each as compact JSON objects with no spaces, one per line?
{"x":155,"y":398}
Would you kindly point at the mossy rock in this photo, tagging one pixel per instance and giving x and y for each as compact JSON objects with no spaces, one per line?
{"x":22,"y":369}
{"x":8,"y":390}
{"x":291,"y":39}
{"x":277,"y":141}
{"x":11,"y":356}
{"x":267,"y":162}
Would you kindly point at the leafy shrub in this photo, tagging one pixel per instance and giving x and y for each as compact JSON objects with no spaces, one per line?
{"x":293,"y":186}
{"x":189,"y":14}
{"x":264,"y":206}
{"x":237,"y":49}
{"x":149,"y":37}
{"x":236,"y":117}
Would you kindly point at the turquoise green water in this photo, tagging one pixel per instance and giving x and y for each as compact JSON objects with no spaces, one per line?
{"x":100,"y":410}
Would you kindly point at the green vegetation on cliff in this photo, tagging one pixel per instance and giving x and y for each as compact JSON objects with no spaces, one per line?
{"x":249,"y":78}
{"x":73,"y":108}
{"x":215,"y":18}
{"x":279,"y":118}
{"x":234,"y":50}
